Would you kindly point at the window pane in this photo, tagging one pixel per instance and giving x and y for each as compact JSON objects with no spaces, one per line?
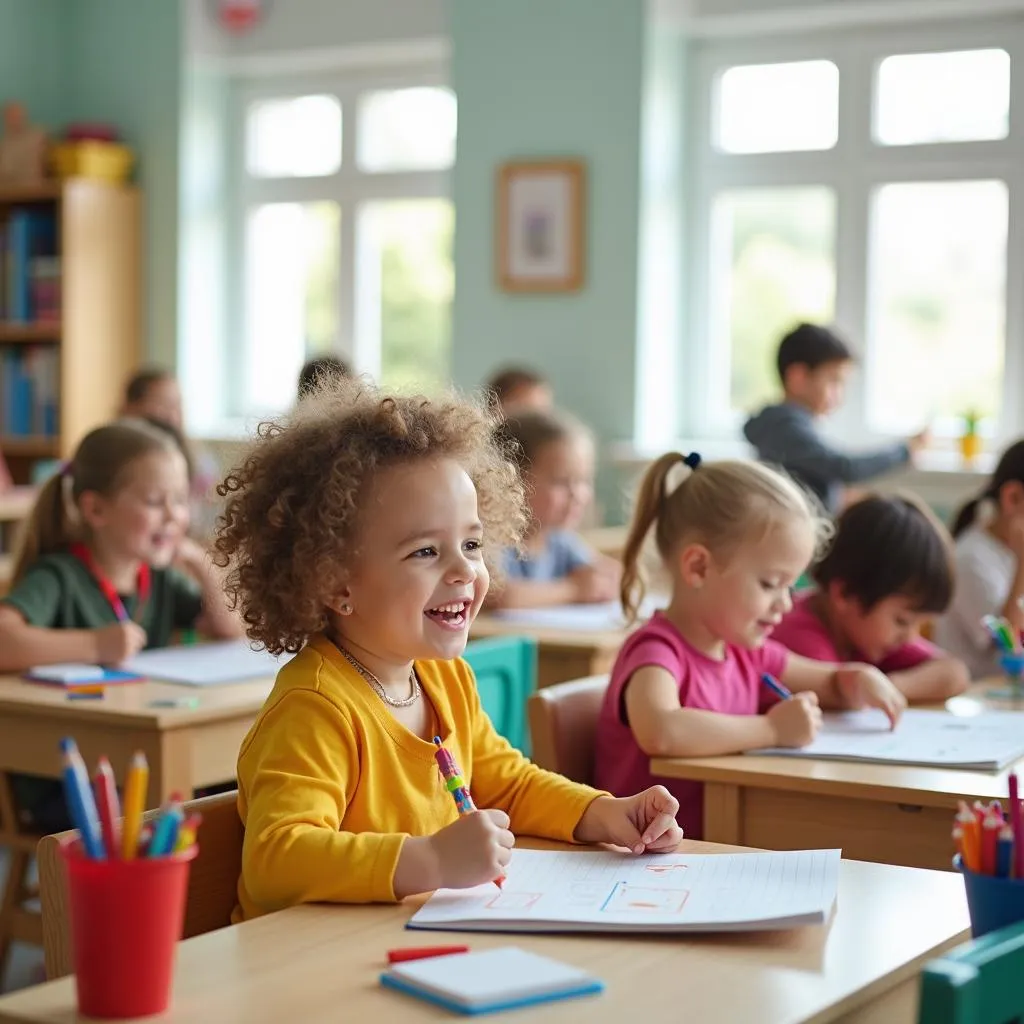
{"x":943,"y":97}
{"x":291,"y":297}
{"x":407,"y":130}
{"x":777,"y":108}
{"x":938,"y":302}
{"x":406,"y":282}
{"x":294,"y":138}
{"x":772,"y":265}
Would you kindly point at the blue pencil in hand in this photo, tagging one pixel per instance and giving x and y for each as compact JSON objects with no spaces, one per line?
{"x":776,"y":687}
{"x":80,"y":801}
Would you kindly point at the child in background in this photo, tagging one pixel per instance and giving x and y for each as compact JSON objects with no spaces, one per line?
{"x":813,"y":365}
{"x":888,"y":570}
{"x":153,"y":394}
{"x":360,"y":533}
{"x":734,"y":537}
{"x":93,"y":582}
{"x":989,"y":553}
{"x":516,"y":388}
{"x":321,"y":371}
{"x":553,"y":565}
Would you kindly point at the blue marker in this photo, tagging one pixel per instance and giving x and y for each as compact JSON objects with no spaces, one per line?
{"x":165,"y":833}
{"x":80,"y":801}
{"x":776,"y":687}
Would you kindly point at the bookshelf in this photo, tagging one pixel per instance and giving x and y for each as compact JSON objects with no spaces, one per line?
{"x":61,"y":374}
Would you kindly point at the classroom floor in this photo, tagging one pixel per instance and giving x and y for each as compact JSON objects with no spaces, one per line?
{"x":25,"y":966}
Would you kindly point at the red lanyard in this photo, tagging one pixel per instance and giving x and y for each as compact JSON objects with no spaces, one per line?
{"x":142,"y":583}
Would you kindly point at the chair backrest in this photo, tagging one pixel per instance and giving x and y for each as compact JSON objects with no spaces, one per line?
{"x":563,"y":723}
{"x":976,"y":983}
{"x":212,"y":881}
{"x":506,"y":674}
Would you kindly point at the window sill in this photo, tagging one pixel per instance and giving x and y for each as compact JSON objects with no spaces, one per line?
{"x":939,"y":476}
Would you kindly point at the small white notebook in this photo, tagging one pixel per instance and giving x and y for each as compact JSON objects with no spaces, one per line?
{"x":601,"y":891}
{"x":228,"y":661}
{"x":494,"y":979}
{"x":985,"y":742}
{"x":67,"y":672}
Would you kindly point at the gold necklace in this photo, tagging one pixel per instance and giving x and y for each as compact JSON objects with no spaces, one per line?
{"x":404,"y":702}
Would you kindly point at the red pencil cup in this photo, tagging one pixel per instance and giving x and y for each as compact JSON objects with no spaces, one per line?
{"x":126,"y":917}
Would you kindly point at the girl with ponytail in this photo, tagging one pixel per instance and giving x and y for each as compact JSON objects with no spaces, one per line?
{"x":989,"y":535}
{"x":733,"y":538}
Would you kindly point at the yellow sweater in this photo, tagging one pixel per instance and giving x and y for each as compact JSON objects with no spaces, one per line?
{"x":330,"y":784}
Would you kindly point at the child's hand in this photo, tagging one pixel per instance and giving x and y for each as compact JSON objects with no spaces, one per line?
{"x":473,"y":850}
{"x":795,"y":721}
{"x":190,"y":556}
{"x":645,"y":822}
{"x":592,"y":586}
{"x":863,"y":686}
{"x":119,"y":642}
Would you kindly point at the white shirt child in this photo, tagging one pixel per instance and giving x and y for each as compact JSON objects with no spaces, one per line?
{"x":985,"y":569}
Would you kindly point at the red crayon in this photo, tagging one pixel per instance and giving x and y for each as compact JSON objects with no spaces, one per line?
{"x":397,"y":956}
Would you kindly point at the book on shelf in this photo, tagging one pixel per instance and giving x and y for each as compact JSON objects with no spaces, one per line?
{"x":29,"y":266}
{"x":29,"y":391}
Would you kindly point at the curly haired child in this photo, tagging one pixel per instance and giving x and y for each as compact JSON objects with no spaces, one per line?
{"x":362,"y":533}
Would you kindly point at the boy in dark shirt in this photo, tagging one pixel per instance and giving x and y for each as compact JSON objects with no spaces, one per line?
{"x":813,"y":365}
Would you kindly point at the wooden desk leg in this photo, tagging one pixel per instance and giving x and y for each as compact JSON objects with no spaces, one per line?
{"x":17,"y":924}
{"x":723,"y":813}
{"x":170,"y":766}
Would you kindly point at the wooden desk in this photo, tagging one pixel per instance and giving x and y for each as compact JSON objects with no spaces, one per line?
{"x":609,"y":540}
{"x":313,"y":963}
{"x":562,"y":654}
{"x":186,"y":747}
{"x":893,"y":814}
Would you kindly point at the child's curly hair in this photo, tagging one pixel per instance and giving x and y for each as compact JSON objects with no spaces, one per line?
{"x":290,"y":526}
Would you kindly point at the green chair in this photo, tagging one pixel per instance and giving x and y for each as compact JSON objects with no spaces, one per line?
{"x":506,"y":675}
{"x":980,"y":982}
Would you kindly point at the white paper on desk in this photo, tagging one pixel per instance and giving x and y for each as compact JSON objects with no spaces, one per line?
{"x":588,"y":618}
{"x":985,"y":742}
{"x":228,"y":661}
{"x":600,"y":891}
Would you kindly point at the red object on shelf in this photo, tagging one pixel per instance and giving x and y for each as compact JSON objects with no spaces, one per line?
{"x":97,"y":131}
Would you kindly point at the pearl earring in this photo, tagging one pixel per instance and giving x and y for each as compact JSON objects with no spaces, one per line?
{"x":346,"y":609}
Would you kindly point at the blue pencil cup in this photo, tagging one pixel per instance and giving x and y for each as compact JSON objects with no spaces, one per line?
{"x":1013,"y":667}
{"x":993,"y":903}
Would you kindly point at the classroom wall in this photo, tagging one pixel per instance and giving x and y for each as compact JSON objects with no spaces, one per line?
{"x":33,"y":57}
{"x":542,"y":79}
{"x":126,"y":68}
{"x":298,"y":25}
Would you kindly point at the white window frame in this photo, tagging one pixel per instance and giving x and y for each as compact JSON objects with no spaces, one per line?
{"x":853,"y":169}
{"x":359,"y":340}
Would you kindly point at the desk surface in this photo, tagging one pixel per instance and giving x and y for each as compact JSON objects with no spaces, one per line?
{"x":131,"y":703}
{"x":937,"y":787}
{"x":580,"y":639}
{"x":313,"y":963}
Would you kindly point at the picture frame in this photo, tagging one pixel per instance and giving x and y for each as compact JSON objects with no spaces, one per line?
{"x":540,"y":234}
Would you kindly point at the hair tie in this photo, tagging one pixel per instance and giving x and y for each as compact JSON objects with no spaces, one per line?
{"x":692,"y":460}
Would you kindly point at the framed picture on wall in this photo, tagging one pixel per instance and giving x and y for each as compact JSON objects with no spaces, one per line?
{"x":540,"y":229}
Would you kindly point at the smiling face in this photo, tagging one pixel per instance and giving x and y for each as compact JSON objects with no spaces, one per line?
{"x":161,"y":401}
{"x":147,"y":515}
{"x":745,"y":595}
{"x":419,"y":578}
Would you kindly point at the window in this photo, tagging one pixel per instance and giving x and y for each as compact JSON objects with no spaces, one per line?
{"x":343,"y":234}
{"x":865,"y":181}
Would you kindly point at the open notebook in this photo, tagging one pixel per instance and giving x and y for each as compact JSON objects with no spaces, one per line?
{"x":601,"y":891}
{"x":985,"y":742}
{"x":227,"y":661}
{"x":494,"y":979}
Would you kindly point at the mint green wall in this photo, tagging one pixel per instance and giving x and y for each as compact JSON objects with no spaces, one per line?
{"x":33,"y":57}
{"x":551,"y":78}
{"x":126,"y":60}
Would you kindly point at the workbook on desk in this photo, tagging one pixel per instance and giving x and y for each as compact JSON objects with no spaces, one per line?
{"x":227,"y":661}
{"x":937,"y":739}
{"x":603,"y":617}
{"x":601,"y":891}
